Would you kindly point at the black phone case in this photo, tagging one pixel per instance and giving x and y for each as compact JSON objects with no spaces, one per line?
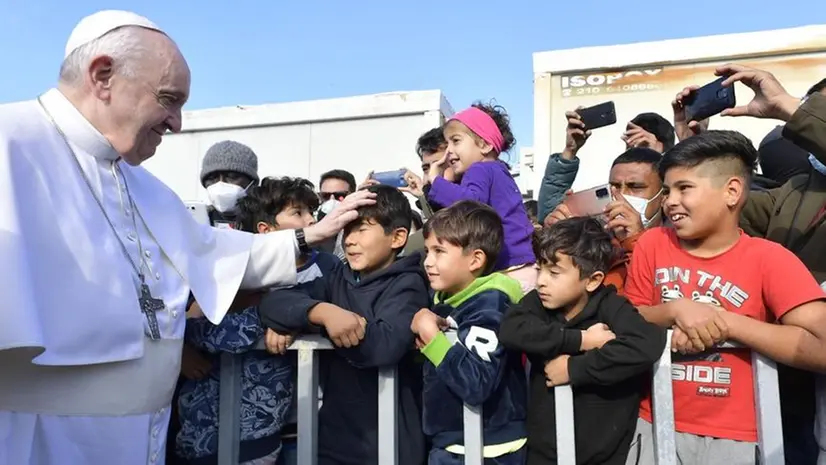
{"x":598,"y":116}
{"x":709,"y":100}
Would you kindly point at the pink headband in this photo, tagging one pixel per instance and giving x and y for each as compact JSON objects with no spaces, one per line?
{"x":483,"y":125}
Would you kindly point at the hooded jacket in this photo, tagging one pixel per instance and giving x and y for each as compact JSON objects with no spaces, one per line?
{"x":348,"y":418}
{"x":607,"y":383}
{"x":477,"y":369}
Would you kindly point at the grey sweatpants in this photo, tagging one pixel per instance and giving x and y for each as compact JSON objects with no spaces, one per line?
{"x":691,"y":449}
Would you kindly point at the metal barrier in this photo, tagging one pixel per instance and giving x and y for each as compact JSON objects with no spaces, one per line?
{"x":766,"y":392}
{"x":767,"y":406}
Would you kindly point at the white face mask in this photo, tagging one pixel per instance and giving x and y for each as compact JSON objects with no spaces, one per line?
{"x":325,"y":208}
{"x":640,"y":205}
{"x":223,"y":195}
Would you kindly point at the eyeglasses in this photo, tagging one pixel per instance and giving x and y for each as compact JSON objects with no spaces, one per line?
{"x":335,"y":195}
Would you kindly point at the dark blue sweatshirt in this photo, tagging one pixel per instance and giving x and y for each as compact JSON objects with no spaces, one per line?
{"x":476,"y":370}
{"x":348,"y":418}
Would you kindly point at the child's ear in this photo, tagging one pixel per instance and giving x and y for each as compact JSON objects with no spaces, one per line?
{"x":734,"y":190}
{"x":486,"y":148}
{"x":262,"y":227}
{"x":594,"y":281}
{"x":478,"y":260}
{"x":398,"y":238}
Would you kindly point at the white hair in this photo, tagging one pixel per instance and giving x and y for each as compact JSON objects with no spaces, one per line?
{"x":125,"y":45}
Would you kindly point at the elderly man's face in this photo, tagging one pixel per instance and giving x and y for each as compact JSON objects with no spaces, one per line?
{"x":144,"y":106}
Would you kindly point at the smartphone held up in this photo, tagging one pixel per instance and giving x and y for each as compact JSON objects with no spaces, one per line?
{"x":391,"y":178}
{"x":709,"y":100}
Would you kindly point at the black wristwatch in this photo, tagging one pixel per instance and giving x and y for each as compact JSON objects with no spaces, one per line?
{"x":302,"y":241}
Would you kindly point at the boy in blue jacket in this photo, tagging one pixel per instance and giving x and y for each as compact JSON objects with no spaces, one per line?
{"x":365,"y":309}
{"x":267,"y":380}
{"x":462,"y":244}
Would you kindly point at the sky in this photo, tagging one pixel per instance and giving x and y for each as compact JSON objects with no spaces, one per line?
{"x":248,"y":52}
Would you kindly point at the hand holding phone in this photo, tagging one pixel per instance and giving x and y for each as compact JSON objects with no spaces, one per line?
{"x":709,"y":100}
{"x":598,"y":116}
{"x":391,"y":178}
{"x":590,"y":202}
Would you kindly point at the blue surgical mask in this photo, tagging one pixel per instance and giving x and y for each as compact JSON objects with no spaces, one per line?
{"x":817,"y":165}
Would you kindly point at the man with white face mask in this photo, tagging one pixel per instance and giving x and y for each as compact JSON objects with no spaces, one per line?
{"x":637,"y":190}
{"x":228,"y":170}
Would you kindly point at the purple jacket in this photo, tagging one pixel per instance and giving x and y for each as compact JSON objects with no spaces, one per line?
{"x":491,"y":183}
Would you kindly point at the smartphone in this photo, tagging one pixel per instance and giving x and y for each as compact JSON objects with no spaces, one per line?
{"x":391,"y":178}
{"x":709,"y":100}
{"x":598,"y":116}
{"x":590,"y":202}
{"x":199,"y":212}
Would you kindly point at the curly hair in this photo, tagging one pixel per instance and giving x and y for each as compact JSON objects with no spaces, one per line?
{"x":265,"y":201}
{"x":581,"y":238}
{"x":502,"y":120}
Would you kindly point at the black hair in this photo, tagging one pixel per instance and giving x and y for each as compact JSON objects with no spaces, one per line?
{"x":532,"y":208}
{"x":639,"y":155}
{"x":431,"y":142}
{"x":345,"y":176}
{"x":713,"y":146}
{"x":263,"y":202}
{"x":502,"y":120}
{"x":418,"y":222}
{"x":469,"y":225}
{"x":581,"y":238}
{"x":817,"y":87}
{"x":662,"y":129}
{"x":391,"y":210}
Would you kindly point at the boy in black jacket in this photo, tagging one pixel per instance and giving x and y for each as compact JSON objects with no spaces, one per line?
{"x":366,"y":311}
{"x":462,"y":243}
{"x":577,"y":331}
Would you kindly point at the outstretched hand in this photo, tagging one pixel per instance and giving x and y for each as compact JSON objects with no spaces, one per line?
{"x":770,"y":98}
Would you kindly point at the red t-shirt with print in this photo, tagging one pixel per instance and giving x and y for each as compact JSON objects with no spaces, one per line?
{"x":713,"y":391}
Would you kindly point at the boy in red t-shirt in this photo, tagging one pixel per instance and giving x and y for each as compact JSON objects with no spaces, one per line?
{"x":710,"y":282}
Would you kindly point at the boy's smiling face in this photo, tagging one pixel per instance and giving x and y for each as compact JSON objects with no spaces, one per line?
{"x":369,"y":248}
{"x":449,"y":267}
{"x":698,"y":202}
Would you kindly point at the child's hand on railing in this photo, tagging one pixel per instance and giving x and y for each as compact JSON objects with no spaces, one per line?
{"x":278,"y":343}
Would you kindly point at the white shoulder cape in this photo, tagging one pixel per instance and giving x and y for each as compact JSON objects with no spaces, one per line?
{"x":68,"y":296}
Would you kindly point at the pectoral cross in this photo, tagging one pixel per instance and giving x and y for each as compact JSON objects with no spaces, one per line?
{"x":150,"y":306}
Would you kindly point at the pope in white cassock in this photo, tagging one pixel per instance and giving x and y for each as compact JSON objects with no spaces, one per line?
{"x":98,"y":257}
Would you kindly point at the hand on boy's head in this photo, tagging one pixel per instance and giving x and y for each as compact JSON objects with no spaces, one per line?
{"x":770,"y":98}
{"x":556,"y":371}
{"x":560,"y":213}
{"x":622,"y":219}
{"x":702,"y":323}
{"x":427,"y":324}
{"x":596,"y":336}
{"x":277,"y":343}
{"x":344,"y":213}
{"x":345,"y":328}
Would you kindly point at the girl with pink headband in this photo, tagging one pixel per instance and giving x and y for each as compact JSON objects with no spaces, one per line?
{"x":475,"y":139}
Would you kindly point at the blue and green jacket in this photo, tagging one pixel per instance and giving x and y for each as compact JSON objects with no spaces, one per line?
{"x":476,"y":369}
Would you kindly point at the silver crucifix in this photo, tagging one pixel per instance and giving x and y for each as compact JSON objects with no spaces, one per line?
{"x":150,"y":306}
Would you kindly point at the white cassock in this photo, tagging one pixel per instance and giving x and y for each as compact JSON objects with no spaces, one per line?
{"x":80,"y":381}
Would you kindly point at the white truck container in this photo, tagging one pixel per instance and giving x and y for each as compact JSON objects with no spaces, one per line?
{"x":358,"y":134}
{"x":645,"y":77}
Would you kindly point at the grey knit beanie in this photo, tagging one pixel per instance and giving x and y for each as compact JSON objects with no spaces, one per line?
{"x":232,"y":156}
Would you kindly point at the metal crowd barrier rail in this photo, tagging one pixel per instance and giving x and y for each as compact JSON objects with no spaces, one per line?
{"x":766,"y":391}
